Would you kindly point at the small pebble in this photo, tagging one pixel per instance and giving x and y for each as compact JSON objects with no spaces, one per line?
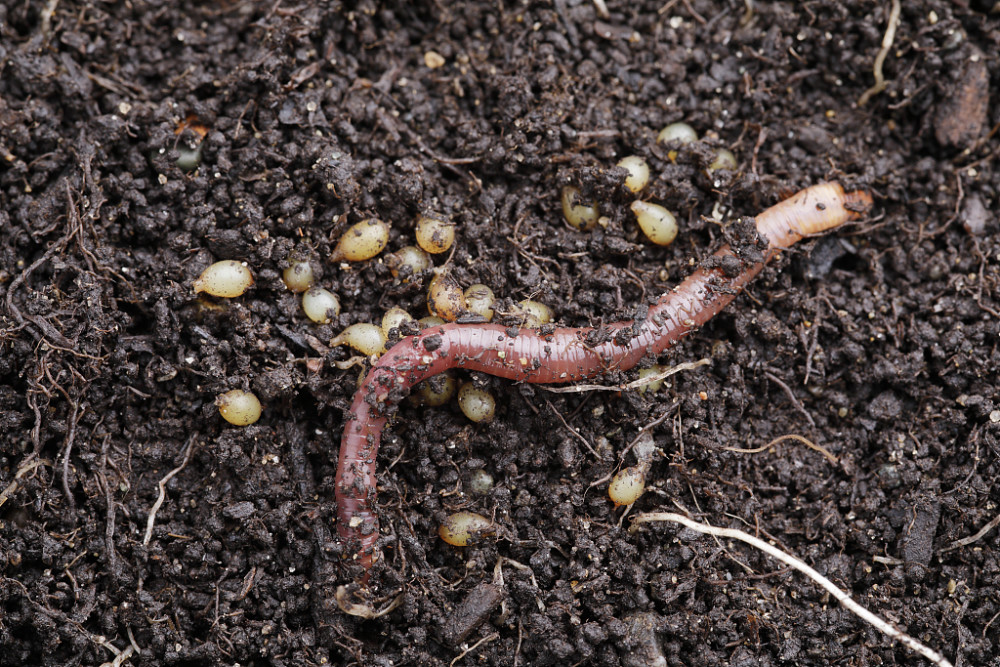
{"x":975,"y":215}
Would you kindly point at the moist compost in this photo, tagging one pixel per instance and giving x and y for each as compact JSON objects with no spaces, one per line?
{"x":140,"y":143}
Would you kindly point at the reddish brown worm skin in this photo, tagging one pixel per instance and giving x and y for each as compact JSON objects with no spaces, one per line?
{"x":527,"y":355}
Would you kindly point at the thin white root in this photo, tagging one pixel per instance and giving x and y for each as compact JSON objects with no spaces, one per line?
{"x":163,"y":493}
{"x":634,"y":384}
{"x":47,"y":14}
{"x":484,"y":640}
{"x":965,"y":541}
{"x":781,"y":438}
{"x":792,"y":561}
{"x":498,"y":576}
{"x":364,"y":609}
{"x":887,"y":40}
{"x":120,"y":656}
{"x":21,"y":472}
{"x":356,"y":360}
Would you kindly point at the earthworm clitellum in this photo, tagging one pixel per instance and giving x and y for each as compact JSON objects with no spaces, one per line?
{"x":559,"y":355}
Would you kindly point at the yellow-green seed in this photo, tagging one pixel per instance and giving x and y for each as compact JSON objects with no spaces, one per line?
{"x":227,"y":279}
{"x":444,"y":297}
{"x":238,"y":407}
{"x":476,"y":404}
{"x":394,"y":318}
{"x":479,"y":299}
{"x":654,"y":385}
{"x":682,"y":133}
{"x":724,"y":159}
{"x":189,"y":157}
{"x":436,"y":391}
{"x":628,"y":485}
{"x":320,"y":305}
{"x":580,"y":215}
{"x":535,"y":313}
{"x":299,"y":276}
{"x":430,"y":321}
{"x":367,"y":339}
{"x":480,"y":481}
{"x":434,"y":234}
{"x":464,"y":528}
{"x":638,"y":172}
{"x":408,"y":261}
{"x":656,"y":222}
{"x":362,"y":241}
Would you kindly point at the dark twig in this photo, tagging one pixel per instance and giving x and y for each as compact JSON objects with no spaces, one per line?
{"x":791,"y":396}
{"x":572,"y":430}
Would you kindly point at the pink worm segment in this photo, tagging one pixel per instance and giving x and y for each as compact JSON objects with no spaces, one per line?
{"x":525,"y":355}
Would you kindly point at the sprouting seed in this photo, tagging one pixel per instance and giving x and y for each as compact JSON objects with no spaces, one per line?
{"x":657,"y":223}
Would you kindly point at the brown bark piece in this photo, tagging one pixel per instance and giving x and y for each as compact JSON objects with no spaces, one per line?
{"x":471,"y":613}
{"x":962,"y":115}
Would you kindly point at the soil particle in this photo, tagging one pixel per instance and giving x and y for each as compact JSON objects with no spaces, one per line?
{"x":917,"y":541}
{"x":641,"y":647}
{"x":976,"y":217}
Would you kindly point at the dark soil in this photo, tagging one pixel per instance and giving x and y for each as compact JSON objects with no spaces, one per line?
{"x":879,"y":343}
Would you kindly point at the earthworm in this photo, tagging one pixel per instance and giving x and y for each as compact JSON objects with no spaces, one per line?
{"x":562,"y":354}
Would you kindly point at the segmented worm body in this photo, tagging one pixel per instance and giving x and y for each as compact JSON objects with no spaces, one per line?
{"x":560,"y":355}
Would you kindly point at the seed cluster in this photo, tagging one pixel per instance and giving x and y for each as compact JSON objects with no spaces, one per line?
{"x":656,"y":222}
